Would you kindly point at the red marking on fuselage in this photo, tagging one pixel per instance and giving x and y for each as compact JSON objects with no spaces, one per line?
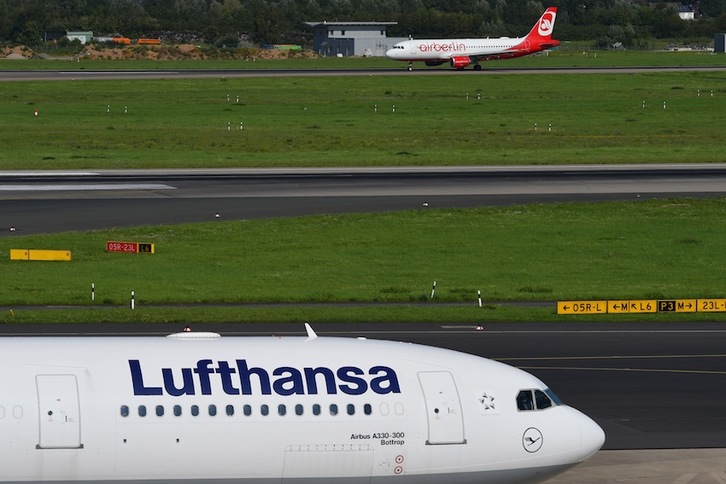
{"x":439,"y":47}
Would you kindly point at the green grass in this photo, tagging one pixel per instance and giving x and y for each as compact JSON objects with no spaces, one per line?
{"x":350,"y":121}
{"x":617,"y":250}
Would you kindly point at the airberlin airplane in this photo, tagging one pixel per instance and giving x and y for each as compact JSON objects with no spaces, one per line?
{"x":199,"y":407}
{"x":462,"y":52}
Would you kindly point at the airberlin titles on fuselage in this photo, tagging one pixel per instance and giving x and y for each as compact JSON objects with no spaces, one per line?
{"x":442,"y":47}
{"x":238,"y":378}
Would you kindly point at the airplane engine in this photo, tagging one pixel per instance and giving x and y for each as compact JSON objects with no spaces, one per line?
{"x":460,"y":61}
{"x":433,"y":63}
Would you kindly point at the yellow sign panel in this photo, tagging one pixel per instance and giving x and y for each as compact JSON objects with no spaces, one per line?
{"x":581,"y":307}
{"x":618,"y":306}
{"x":677,"y":306}
{"x":37,"y":254}
{"x":633,"y":306}
{"x":642,"y":306}
{"x":19,"y":254}
{"x":64,"y":255}
{"x":711,"y":305}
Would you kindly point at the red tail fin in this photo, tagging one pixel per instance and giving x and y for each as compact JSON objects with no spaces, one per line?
{"x":541,"y":34}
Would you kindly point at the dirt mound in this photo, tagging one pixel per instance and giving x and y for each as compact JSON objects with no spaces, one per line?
{"x":185,"y":52}
{"x":19,"y":52}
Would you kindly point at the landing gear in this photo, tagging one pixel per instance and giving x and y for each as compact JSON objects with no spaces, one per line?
{"x":477,"y":67}
{"x":410,"y":66}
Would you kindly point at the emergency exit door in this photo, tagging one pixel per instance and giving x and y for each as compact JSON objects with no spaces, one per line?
{"x":59,"y":412}
{"x":443,"y":408}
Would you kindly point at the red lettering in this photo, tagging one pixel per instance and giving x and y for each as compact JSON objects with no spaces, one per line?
{"x":437,"y":47}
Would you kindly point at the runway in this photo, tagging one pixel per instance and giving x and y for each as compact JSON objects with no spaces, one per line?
{"x":49,"y":202}
{"x":396,"y":69}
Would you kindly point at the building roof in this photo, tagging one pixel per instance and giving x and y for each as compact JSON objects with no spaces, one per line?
{"x":349,"y":24}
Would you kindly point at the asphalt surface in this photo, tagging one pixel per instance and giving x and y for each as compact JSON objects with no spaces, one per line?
{"x":76,"y":73}
{"x":33,"y":203}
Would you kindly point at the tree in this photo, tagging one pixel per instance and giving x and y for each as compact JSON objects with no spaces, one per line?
{"x":713,"y":8}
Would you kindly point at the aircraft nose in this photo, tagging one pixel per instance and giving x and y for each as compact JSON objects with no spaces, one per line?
{"x":593,"y":437}
{"x":390,"y":53}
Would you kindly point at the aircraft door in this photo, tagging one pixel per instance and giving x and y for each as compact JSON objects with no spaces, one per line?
{"x":443,"y":408}
{"x":59,"y":412}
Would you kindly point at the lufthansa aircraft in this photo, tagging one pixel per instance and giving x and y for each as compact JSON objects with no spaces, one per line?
{"x":462,"y":52}
{"x":198,"y":407}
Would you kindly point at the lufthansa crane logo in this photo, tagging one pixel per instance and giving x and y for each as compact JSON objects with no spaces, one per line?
{"x":532,"y":440}
{"x":547,"y":24}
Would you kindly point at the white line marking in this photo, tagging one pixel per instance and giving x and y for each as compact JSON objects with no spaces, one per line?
{"x":84,"y":187}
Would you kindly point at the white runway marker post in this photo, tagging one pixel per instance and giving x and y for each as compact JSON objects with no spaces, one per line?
{"x":478,"y":296}
{"x":133,"y":300}
{"x":93,"y":292}
{"x":433,"y":290}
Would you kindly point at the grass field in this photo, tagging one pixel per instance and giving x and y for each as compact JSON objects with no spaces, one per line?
{"x":365,"y":121}
{"x":665,"y":249}
{"x":625,"y":250}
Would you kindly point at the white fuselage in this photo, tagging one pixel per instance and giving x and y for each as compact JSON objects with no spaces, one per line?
{"x":265,"y":409}
{"x":444,"y":49}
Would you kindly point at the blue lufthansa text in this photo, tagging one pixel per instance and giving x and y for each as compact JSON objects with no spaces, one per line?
{"x":239,"y":378}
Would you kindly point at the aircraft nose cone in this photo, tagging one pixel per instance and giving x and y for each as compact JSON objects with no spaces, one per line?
{"x":390,"y":53}
{"x":593,"y":437}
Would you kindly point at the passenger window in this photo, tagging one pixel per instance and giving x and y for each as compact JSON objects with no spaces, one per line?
{"x":316,"y":409}
{"x":298,"y":409}
{"x":333,"y":409}
{"x":159,"y":410}
{"x":367,"y":409}
{"x":264,"y":410}
{"x":247,"y":410}
{"x":177,"y":410}
{"x":351,"y":409}
{"x":124,"y":411}
{"x":542,"y":400}
{"x":281,"y":410}
{"x":524,"y":400}
{"x":142,"y":410}
{"x":229,"y":409}
{"x":212,"y":410}
{"x":195,"y":410}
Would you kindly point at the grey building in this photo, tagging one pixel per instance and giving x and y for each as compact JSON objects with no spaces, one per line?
{"x":719,"y":43}
{"x":352,"y":38}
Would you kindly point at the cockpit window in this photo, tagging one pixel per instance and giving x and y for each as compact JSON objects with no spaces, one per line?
{"x":524,"y":400}
{"x":536,"y":399}
{"x":542,"y":400}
